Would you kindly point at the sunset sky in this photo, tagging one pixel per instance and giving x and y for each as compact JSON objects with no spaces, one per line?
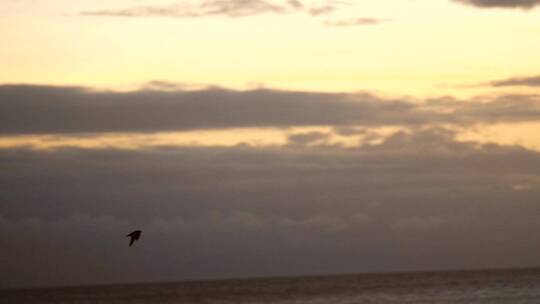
{"x":261,"y":138}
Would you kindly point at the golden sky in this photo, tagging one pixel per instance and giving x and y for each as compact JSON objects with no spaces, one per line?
{"x":421,"y":47}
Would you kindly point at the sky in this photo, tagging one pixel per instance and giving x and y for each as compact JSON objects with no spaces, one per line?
{"x":251,"y":138}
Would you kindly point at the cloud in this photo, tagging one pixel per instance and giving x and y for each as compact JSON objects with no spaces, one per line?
{"x":355,"y":22}
{"x":228,"y":8}
{"x":506,"y":108}
{"x":161,"y":85}
{"x":533,"y":81}
{"x":251,"y":211}
{"x":502,"y":3}
{"x":37,"y":109}
{"x":321,"y":10}
{"x":416,"y":222}
{"x":350,"y":131}
{"x":308,"y":138}
{"x":27,"y":109}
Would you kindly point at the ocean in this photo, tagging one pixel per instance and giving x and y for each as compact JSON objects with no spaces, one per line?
{"x":491,"y":286}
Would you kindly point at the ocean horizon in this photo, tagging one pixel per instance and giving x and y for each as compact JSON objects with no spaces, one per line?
{"x":513,"y":286}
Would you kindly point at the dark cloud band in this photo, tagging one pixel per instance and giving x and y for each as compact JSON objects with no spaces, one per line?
{"x":28,"y":109}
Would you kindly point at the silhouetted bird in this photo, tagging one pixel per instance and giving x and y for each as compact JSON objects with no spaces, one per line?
{"x":135,"y":235}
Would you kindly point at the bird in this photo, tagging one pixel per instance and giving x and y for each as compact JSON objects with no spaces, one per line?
{"x":135,"y":235}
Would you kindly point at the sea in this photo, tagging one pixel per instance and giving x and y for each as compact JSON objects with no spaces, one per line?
{"x":486,"y":286}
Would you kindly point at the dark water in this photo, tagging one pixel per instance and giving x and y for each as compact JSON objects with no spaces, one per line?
{"x":497,"y":286}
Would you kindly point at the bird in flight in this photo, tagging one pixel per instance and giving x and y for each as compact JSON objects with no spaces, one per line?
{"x":135,"y":235}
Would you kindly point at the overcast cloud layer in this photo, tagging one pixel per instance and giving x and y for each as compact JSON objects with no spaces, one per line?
{"x":45,"y":110}
{"x":411,"y":200}
{"x":418,"y":200}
